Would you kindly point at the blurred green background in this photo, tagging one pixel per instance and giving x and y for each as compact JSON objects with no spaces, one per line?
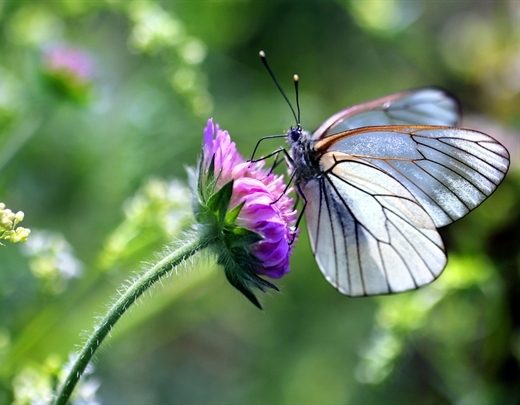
{"x":102,"y":105}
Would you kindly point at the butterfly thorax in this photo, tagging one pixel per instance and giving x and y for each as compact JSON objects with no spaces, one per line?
{"x":305,"y":159}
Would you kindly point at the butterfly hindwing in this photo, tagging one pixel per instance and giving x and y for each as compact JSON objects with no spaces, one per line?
{"x":368,"y":233}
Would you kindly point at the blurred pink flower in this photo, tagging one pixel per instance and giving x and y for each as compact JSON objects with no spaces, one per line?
{"x":69,"y":71}
{"x":71,"y":61}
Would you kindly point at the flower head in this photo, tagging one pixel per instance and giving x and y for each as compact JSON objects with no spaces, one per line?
{"x":247,"y":210}
{"x":9,"y":229}
{"x":69,"y":71}
{"x":71,"y":61}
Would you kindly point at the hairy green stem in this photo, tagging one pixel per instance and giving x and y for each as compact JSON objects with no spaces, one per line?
{"x":125,"y":300}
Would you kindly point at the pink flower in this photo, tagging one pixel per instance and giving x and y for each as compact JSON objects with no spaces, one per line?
{"x":246,"y":211}
{"x":69,"y":61}
{"x":267,"y":210}
{"x":69,"y":72}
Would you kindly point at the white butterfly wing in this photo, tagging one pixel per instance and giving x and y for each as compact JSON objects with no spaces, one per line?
{"x":372,"y":216}
{"x":449,"y":171}
{"x":425,"y":106}
{"x":368,"y":233}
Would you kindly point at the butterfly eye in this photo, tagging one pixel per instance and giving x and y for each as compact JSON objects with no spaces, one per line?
{"x":295,"y":133}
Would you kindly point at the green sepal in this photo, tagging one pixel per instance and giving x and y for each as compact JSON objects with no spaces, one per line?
{"x":211,"y":168}
{"x":238,"y":266}
{"x":200,"y":186}
{"x":203,"y":189}
{"x":218,"y":203}
{"x":243,"y":288}
{"x":240,"y":237}
{"x":210,"y":187}
{"x":232,"y":215}
{"x":203,"y":215}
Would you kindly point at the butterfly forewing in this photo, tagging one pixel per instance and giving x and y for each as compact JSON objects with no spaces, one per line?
{"x":426,"y":106}
{"x":449,"y":171}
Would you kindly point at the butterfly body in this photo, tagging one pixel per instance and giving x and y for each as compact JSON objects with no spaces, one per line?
{"x":302,"y":151}
{"x":378,"y":179}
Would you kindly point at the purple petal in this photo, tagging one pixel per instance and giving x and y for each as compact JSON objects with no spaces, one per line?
{"x":208,"y":133}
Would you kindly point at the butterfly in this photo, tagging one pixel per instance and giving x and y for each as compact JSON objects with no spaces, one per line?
{"x":378,"y":179}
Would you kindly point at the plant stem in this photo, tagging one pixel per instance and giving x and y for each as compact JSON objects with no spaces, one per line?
{"x":126,"y":299}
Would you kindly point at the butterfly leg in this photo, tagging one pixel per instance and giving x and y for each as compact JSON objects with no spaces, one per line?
{"x":300,"y":216}
{"x":300,"y":194}
{"x":296,"y":201}
{"x":285,"y":190}
{"x":277,"y":161}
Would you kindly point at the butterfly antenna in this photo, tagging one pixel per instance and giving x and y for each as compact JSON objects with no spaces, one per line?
{"x":296,"y":81}
{"x":264,"y":61}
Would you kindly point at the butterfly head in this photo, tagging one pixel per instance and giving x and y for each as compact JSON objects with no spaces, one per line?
{"x":295,"y":134}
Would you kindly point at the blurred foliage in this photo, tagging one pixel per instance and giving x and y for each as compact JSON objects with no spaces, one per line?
{"x":87,"y":135}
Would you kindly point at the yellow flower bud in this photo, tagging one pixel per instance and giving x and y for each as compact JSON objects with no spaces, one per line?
{"x":19,"y":216}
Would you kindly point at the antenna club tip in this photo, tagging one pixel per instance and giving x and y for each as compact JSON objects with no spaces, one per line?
{"x":262,"y":54}
{"x":296,"y":78}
